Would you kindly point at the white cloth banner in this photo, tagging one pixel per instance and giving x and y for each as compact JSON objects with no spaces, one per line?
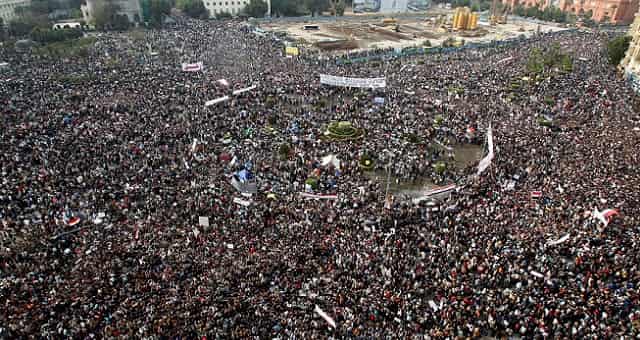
{"x":241,"y":91}
{"x":326,"y":317}
{"x":195,"y":67}
{"x":352,"y":82}
{"x":486,"y":161}
{"x":318,"y":196}
{"x":216,"y":101}
{"x":203,"y":221}
{"x":558,"y":241}
{"x":244,"y":203}
{"x":434,"y":191}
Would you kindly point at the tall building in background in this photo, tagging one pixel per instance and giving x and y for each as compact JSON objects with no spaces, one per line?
{"x":8,"y":7}
{"x":612,"y":11}
{"x":631,"y":62}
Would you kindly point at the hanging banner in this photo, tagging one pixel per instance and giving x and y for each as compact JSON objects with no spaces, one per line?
{"x":486,"y":161}
{"x":353,"y":82}
{"x":192,"y":67}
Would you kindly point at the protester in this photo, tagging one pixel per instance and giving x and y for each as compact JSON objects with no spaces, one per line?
{"x":109,"y":160}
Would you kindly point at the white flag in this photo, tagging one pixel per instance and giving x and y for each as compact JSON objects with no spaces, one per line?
{"x":325,"y":316}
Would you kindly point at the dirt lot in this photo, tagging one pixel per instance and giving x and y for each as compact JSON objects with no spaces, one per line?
{"x":364,"y":32}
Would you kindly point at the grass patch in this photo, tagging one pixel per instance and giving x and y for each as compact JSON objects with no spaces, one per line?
{"x":69,"y":48}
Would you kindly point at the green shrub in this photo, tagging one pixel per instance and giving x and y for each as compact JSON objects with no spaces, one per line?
{"x":284,"y":150}
{"x":312,"y":182}
{"x":413,"y":138}
{"x":367,"y":162}
{"x":542,"y":121}
{"x":49,"y":35}
{"x":440,"y":167}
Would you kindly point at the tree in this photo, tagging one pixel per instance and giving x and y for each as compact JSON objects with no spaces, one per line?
{"x":104,"y":14}
{"x":316,"y":6}
{"x":616,"y":48}
{"x":340,"y":7}
{"x":256,"y":8}
{"x":224,"y":15}
{"x":285,"y":7}
{"x":535,"y":63}
{"x":157,"y":10}
{"x":193,"y":8}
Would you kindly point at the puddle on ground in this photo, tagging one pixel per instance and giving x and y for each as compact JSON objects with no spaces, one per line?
{"x":465,"y":155}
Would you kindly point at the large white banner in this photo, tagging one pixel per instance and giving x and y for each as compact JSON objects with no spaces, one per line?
{"x":486,"y":161}
{"x":195,"y":67}
{"x":353,"y":82}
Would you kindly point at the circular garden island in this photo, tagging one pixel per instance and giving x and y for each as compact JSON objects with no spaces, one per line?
{"x":342,"y":131}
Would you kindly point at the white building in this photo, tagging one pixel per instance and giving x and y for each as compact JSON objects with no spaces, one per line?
{"x":130,"y":8}
{"x":233,"y":7}
{"x":631,"y":62}
{"x":7,"y":9}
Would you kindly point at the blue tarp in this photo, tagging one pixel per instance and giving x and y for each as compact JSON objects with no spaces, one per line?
{"x":243,"y":175}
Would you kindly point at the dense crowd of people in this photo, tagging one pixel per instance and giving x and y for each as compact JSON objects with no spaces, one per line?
{"x":111,"y":159}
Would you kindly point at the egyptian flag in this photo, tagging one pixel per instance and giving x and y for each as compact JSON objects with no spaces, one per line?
{"x":470,"y":133}
{"x":536,"y":194}
{"x":605,"y":216}
{"x":73,"y":221}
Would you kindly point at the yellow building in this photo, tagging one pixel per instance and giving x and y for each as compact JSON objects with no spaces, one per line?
{"x":631,"y":61}
{"x":464,"y":19}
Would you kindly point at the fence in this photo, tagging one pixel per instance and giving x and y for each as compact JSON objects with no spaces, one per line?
{"x":412,"y":51}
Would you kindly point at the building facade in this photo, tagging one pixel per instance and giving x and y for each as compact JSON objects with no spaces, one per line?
{"x":131,"y":8}
{"x":630,"y":64}
{"x":612,"y":11}
{"x":233,"y":7}
{"x":8,"y":9}
{"x":393,"y":6}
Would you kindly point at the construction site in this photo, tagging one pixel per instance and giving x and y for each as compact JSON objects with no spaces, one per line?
{"x":431,"y":28}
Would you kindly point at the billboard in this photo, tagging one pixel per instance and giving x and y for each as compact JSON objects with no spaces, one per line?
{"x":418,"y":5}
{"x":389,"y":6}
{"x":393,"y":6}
